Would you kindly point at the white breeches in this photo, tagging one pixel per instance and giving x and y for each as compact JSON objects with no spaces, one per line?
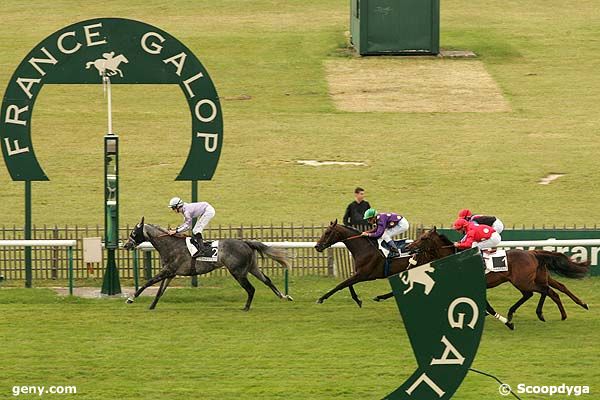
{"x":402,"y":227}
{"x":492,"y":242}
{"x":204,"y":220}
{"x":498,"y":226}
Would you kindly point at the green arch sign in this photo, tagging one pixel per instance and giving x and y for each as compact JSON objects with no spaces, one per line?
{"x":127,"y":51}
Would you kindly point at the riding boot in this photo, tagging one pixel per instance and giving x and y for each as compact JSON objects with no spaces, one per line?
{"x":393,"y":249}
{"x":199,"y":245}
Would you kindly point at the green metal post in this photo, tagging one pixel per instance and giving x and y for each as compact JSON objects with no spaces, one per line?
{"x":287,"y":281}
{"x":136,"y":282}
{"x":194,"y":199}
{"x":28,"y":272}
{"x":147,"y":265}
{"x":111,"y":284}
{"x":70,"y":256}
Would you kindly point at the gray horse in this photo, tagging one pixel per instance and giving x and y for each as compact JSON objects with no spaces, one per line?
{"x":238,"y":256}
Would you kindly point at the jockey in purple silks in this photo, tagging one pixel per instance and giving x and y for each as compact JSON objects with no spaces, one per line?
{"x":203,"y":211}
{"x":387,"y":226}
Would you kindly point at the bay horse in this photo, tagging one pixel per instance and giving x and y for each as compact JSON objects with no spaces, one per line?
{"x":369,"y":263}
{"x":238,"y":256}
{"x":527,"y":271}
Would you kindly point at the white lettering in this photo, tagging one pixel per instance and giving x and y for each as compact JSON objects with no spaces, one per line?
{"x":425,"y":379}
{"x":210,"y":141}
{"x":187,"y":82}
{"x":579,"y":253}
{"x":28,"y":84}
{"x":16,"y":150}
{"x":154,"y":48}
{"x":12,"y":115}
{"x":594,"y":255}
{"x":461,"y":316}
{"x":213,"y":112}
{"x":179,"y":64}
{"x":49,"y":60}
{"x":89,"y":35}
{"x":459,"y":359}
{"x":61,"y":46}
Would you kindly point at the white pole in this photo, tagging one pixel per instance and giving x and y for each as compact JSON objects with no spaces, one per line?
{"x":106,"y":80}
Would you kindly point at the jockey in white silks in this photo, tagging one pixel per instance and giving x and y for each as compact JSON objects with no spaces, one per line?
{"x":203,"y":211}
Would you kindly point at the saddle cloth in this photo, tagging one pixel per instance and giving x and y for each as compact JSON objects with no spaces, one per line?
{"x":401,"y":244}
{"x":214,"y":246}
{"x":496,"y":261}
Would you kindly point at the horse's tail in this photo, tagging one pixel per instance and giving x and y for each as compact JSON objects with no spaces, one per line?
{"x":562,"y":265}
{"x":89,"y":64}
{"x":278,"y":255}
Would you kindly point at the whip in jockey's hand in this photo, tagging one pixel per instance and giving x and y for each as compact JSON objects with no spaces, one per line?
{"x":202,"y":210}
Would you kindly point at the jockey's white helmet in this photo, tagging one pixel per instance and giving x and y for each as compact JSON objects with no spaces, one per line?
{"x":175,"y":203}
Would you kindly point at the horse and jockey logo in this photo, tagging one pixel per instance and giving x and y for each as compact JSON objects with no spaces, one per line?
{"x":418,"y":275}
{"x":109,"y":65}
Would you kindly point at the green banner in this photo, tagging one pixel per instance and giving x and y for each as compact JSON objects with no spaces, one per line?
{"x":578,"y":253}
{"x":126,"y":52}
{"x":443,"y":309}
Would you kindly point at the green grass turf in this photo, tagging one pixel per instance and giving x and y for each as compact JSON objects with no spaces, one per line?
{"x":542,"y":53}
{"x":198,"y":344}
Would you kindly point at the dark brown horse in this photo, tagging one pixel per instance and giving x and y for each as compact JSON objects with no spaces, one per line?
{"x":368,"y":260}
{"x":527,"y":271}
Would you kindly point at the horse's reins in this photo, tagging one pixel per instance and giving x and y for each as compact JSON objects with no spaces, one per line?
{"x":168,"y":234}
{"x":353,"y":237}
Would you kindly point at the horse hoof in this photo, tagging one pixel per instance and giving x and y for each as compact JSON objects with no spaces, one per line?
{"x":563,"y":317}
{"x":129,"y":300}
{"x":288,"y":297}
{"x":586,"y":306}
{"x":510,"y":326}
{"x":320,"y":301}
{"x":246,"y":309}
{"x":541,"y":317}
{"x":377,"y":299}
{"x":359,"y":304}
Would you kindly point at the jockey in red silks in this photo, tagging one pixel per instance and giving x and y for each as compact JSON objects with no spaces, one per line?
{"x":481,"y":236}
{"x":488,"y":220}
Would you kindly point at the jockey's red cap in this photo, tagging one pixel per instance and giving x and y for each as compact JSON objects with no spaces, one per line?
{"x":459,"y":224}
{"x":465,"y":213}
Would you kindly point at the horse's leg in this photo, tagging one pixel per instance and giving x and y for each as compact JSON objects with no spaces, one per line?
{"x":556,"y":298}
{"x":540,"y":306}
{"x":350,"y":281}
{"x":254,"y":270}
{"x":383,"y":296}
{"x":245,"y":283}
{"x":490,"y":310}
{"x":519,"y":303}
{"x":560,"y":287}
{"x":161,"y":291}
{"x":152,"y":281}
{"x":355,"y":296}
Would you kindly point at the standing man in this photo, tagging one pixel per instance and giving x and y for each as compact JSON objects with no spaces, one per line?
{"x":203,"y":211}
{"x":354,"y":215}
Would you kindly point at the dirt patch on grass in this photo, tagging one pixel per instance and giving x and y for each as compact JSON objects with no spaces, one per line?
{"x":410,"y":85}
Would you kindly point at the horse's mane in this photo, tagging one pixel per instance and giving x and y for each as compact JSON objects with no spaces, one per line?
{"x":445,"y":239}
{"x":159,"y":228}
{"x":351,"y":228}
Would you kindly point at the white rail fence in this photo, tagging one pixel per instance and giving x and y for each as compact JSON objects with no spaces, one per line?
{"x":552,"y":244}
